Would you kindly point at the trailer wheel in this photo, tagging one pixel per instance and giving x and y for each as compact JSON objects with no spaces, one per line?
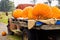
{"x":57,"y":37}
{"x":25,"y":34}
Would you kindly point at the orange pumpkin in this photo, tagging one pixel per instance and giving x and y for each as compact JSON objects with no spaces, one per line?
{"x":36,"y":10}
{"x":17,"y":13}
{"x":3,"y":33}
{"x":45,"y":10}
{"x":30,"y":16}
{"x":27,"y":12}
{"x":42,"y":11}
{"x":56,"y":12}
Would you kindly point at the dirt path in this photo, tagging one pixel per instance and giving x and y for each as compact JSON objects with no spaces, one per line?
{"x":3,"y":27}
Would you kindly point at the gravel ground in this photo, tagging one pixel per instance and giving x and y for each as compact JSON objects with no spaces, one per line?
{"x":3,"y":27}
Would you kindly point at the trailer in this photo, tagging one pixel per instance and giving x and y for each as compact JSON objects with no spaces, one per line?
{"x":35,"y":29}
{"x":48,"y":29}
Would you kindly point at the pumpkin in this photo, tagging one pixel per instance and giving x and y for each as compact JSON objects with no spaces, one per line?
{"x":43,"y":11}
{"x":27,"y":12}
{"x":30,"y":16}
{"x":36,"y":10}
{"x":56,"y":12}
{"x":3,"y":33}
{"x":17,"y":13}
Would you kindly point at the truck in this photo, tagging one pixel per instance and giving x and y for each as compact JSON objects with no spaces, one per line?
{"x":35,"y":29}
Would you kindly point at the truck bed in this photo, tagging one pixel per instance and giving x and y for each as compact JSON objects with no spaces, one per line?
{"x":51,"y":24}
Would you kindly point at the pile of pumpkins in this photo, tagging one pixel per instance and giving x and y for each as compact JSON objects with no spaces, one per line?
{"x":39,"y":11}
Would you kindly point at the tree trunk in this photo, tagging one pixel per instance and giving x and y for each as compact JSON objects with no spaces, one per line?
{"x":6,"y":13}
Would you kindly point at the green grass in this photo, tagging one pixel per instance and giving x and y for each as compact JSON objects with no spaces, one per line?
{"x":14,"y":37}
{"x":4,"y":17}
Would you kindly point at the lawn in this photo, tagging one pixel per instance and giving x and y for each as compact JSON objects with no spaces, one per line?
{"x":4,"y":18}
{"x":14,"y":37}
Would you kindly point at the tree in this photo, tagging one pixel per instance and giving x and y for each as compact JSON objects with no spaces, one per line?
{"x":58,"y":1}
{"x":33,"y":1}
{"x":6,"y":5}
{"x":49,"y":1}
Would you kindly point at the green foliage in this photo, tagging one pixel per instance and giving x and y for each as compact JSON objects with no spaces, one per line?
{"x":6,"y":5}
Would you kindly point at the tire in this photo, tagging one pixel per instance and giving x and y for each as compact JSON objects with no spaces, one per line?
{"x":28,"y":34}
{"x":8,"y":27}
{"x":24,"y":34}
{"x":58,"y":37}
{"x":55,"y":38}
{"x":54,"y":35}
